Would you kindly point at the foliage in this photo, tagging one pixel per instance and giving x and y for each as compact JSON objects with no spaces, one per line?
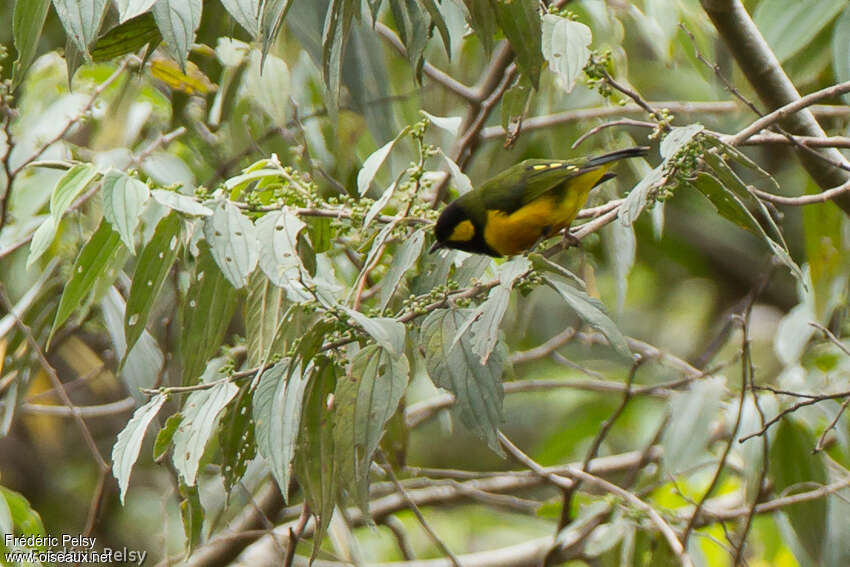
{"x":217,"y":216}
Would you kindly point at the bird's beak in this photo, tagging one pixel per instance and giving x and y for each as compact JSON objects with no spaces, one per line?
{"x":436,"y":246}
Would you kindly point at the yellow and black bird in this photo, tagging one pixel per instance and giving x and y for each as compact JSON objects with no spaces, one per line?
{"x":520,"y":206}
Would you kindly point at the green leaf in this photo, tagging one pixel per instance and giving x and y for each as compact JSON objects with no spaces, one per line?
{"x":689,"y":432}
{"x":129,"y":442}
{"x":790,"y":27}
{"x":841,"y":50}
{"x":438,"y":21}
{"x":515,"y":101}
{"x":387,"y":332}
{"x":274,"y":13}
{"x":278,"y":233}
{"x":265,"y":315}
{"x":520,"y":20}
{"x":376,"y":207}
{"x":454,"y":366}
{"x":233,"y":242}
{"x":177,"y":21}
{"x":98,"y":258}
{"x":165,"y":437}
{"x":621,"y":246}
{"x":413,"y":29}
{"x":635,"y":201}
{"x":200,"y":417}
{"x":236,"y":438}
{"x":81,"y":20}
{"x":69,"y":188}
{"x":334,"y":37}
{"x":154,"y":264}
{"x":593,"y":313}
{"x":315,"y":460}
{"x":192,"y":515}
{"x":727,"y":203}
{"x":123,"y":201}
{"x":566,"y":47}
{"x":25,"y":519}
{"x":482,"y":19}
{"x":366,"y":399}
{"x":450,"y":124}
{"x":178,"y":202}
{"x":374,"y":161}
{"x":792,"y":463}
{"x":462,"y":182}
{"x":27,"y":23}
{"x":129,"y":9}
{"x":677,"y":138}
{"x":42,"y":238}
{"x":277,"y":402}
{"x":403,"y":259}
{"x":127,"y":37}
{"x":205,"y":314}
{"x":246,"y":13}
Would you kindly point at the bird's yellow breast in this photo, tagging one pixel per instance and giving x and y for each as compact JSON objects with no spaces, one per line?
{"x":512,"y":233}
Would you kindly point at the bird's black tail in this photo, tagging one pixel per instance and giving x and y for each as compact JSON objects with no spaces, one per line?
{"x":637,"y":151}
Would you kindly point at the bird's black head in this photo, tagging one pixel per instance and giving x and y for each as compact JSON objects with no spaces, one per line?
{"x":458,"y":230}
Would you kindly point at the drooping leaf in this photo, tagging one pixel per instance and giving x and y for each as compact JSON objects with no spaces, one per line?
{"x":233,"y":242}
{"x":635,"y":201}
{"x":840,"y":50}
{"x":200,"y":416}
{"x":165,"y":437}
{"x":69,"y":187}
{"x":315,"y":459}
{"x":205,"y":314}
{"x":246,"y":13}
{"x":677,"y":138}
{"x":191,"y":514}
{"x":265,"y":315}
{"x":236,"y":438}
{"x":129,"y":442}
{"x":482,"y":19}
{"x":81,"y":20}
{"x":277,"y":403}
{"x":123,"y":200}
{"x":462,"y":182}
{"x":127,"y":37}
{"x":438,"y":22}
{"x":520,"y":20}
{"x":97,"y":259}
{"x":27,"y":23}
{"x":621,"y":244}
{"x":593,"y":313}
{"x":381,"y":202}
{"x":403,"y":259}
{"x":413,"y":26}
{"x":177,"y":21}
{"x":387,"y":332}
{"x":373,"y":162}
{"x":42,"y":238}
{"x":366,"y":398}
{"x":515,"y":101}
{"x":792,"y":463}
{"x":154,"y":264}
{"x":456,"y":367}
{"x":334,"y":37}
{"x":182,"y":203}
{"x":726,"y":203}
{"x":691,"y":416}
{"x":272,"y":16}
{"x":566,"y":47}
{"x":128,"y":9}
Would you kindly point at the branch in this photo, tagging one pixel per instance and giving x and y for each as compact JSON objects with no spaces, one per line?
{"x":773,"y":86}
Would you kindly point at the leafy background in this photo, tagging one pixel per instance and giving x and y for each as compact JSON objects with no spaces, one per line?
{"x":223,"y":340}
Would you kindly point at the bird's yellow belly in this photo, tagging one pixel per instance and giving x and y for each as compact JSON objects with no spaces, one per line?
{"x":512,"y":233}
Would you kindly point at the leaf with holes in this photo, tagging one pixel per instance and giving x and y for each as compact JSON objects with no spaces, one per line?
{"x":278,"y":234}
{"x":387,"y":332}
{"x":129,"y":442}
{"x":233,"y":242}
{"x":366,"y":398}
{"x":205,"y":314}
{"x":200,"y":416}
{"x":566,"y":47}
{"x":236,"y":438}
{"x":155,"y":261}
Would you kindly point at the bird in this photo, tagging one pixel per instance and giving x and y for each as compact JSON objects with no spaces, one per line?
{"x":524,"y":204}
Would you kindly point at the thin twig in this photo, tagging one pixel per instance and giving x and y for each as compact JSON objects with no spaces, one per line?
{"x":417,"y":512}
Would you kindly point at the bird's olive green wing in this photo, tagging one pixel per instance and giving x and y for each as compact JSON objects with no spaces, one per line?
{"x":522,"y":183}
